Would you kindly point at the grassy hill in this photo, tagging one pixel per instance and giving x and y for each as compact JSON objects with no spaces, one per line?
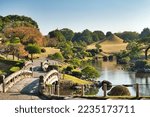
{"x":113,"y":39}
{"x":112,"y":44}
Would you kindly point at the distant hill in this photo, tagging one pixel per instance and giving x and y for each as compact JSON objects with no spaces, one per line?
{"x":111,"y":44}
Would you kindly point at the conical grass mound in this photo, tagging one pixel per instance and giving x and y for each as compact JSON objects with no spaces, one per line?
{"x":113,"y":39}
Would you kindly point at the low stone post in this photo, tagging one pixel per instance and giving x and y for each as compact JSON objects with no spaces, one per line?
{"x":58,"y":91}
{"x":3,"y":78}
{"x":32,"y":72}
{"x":41,"y":64}
{"x":137,"y":90}
{"x":105,"y":89}
{"x":51,"y":89}
{"x":41,"y":85}
{"x":82,"y":90}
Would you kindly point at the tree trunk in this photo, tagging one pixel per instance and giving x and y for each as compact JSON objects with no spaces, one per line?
{"x":145,"y":55}
{"x":32,"y":57}
{"x":146,"y":52}
{"x":18,"y":56}
{"x":13,"y":56}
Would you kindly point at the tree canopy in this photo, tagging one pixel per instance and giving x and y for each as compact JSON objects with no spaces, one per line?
{"x":16,"y":21}
{"x":128,"y":35}
{"x":25,"y":34}
{"x":67,"y":33}
{"x":56,"y":56}
{"x":145,"y":33}
{"x":89,"y":72}
{"x":33,"y":49}
{"x":86,"y":37}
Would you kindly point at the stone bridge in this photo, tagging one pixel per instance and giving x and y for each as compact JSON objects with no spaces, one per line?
{"x":23,"y":82}
{"x":10,"y":81}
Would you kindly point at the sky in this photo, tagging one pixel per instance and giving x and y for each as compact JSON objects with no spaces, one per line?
{"x":104,"y":15}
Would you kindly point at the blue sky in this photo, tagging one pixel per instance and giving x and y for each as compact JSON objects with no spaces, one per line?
{"x":105,"y":15}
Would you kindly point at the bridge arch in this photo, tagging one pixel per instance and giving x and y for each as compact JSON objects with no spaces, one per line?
{"x":50,"y":82}
{"x":51,"y":77}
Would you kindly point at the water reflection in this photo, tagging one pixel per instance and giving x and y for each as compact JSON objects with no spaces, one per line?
{"x":110,"y":71}
{"x":92,"y":91}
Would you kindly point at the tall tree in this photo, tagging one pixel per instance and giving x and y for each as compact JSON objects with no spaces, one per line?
{"x":109,"y":34}
{"x":128,"y":35}
{"x":57,"y":34}
{"x":135,"y":50}
{"x":12,"y":49}
{"x":67,"y":33}
{"x":90,"y":72}
{"x":99,"y":35}
{"x":145,"y":38}
{"x":16,"y":20}
{"x":145,"y":33}
{"x":21,"y":52}
{"x":25,"y":34}
{"x":33,"y":49}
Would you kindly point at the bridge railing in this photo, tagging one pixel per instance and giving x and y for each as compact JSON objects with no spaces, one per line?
{"x":28,"y":64}
{"x":9,"y":81}
{"x":136,"y":90}
{"x":46,"y":63}
{"x":50,"y":74}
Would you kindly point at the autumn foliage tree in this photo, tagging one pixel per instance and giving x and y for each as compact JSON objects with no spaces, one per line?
{"x":21,"y":52}
{"x":27,"y":35}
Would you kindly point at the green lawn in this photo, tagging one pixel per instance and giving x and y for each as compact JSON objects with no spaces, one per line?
{"x":76,"y":80}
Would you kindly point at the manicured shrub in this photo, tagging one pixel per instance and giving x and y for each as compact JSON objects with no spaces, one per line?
{"x":75,"y":62}
{"x":14,"y":69}
{"x":119,"y":91}
{"x":68,"y":69}
{"x":77,"y":74}
{"x":43,"y":50}
{"x":51,"y":67}
{"x":56,"y":56}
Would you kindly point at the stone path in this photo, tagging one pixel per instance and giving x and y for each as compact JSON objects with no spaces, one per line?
{"x":26,"y":86}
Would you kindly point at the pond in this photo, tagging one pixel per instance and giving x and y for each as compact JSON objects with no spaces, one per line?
{"x":110,"y":71}
{"x":114,"y":73}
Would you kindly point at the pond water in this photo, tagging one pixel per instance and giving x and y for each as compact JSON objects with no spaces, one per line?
{"x":110,"y":71}
{"x":114,"y":73}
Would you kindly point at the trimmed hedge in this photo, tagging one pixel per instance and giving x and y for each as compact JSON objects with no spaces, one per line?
{"x":43,"y":50}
